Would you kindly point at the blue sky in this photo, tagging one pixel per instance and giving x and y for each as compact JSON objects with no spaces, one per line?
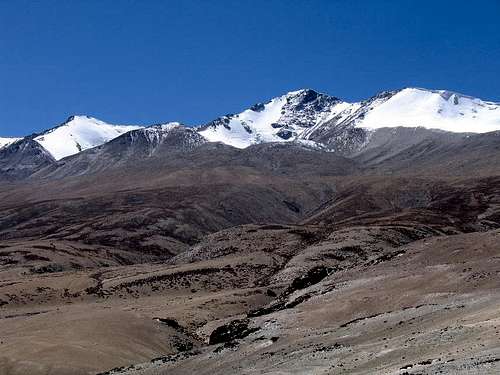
{"x":191,"y":61}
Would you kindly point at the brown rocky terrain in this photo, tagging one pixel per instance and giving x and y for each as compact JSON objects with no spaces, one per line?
{"x":268,"y":260}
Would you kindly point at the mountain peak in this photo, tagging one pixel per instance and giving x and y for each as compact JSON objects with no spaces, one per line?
{"x":169,"y":126}
{"x":78,"y":133}
{"x":79,"y":117}
{"x":433,"y":109}
{"x":308,"y":94}
{"x":282,"y":118}
{"x":82,"y":119}
{"x":445,"y":94}
{"x":303,"y":114}
{"x":300,"y":92}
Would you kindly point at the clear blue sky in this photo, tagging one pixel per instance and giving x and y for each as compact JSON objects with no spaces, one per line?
{"x":191,"y":61}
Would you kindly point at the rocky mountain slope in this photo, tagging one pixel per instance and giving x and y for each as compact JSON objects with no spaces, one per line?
{"x":345,"y":248}
{"x":283,"y":118}
{"x":303,"y":116}
{"x":306,"y":115}
{"x":128,"y":150}
{"x":22,"y":159}
{"x":391,"y":276}
{"x":79,"y":133}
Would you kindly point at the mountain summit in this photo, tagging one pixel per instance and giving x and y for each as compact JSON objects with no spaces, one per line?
{"x":281,"y":256}
{"x":309,"y":115}
{"x":79,"y":133}
{"x":284,"y":118}
{"x":434,"y":109}
{"x":304,"y":116}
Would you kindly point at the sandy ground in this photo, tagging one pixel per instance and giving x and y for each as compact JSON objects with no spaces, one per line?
{"x":428,"y":306}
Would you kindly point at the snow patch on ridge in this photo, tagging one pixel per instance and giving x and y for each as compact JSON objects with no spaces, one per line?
{"x":80,"y":133}
{"x":308,"y":115}
{"x":4,"y":142}
{"x":156,"y":133}
{"x":249,"y":127}
{"x":282,"y":119}
{"x":434,"y":109}
{"x":305,"y":115}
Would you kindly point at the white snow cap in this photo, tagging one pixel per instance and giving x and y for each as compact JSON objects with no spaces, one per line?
{"x":409,"y":107}
{"x":166,"y":127}
{"x":7,"y":141}
{"x":434,"y":109}
{"x":80,"y":133}
{"x":262,"y":122}
{"x":297,"y":116}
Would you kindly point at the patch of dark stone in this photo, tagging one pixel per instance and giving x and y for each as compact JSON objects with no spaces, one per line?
{"x":6,"y":262}
{"x":182,"y":345}
{"x":311,"y":277}
{"x":307,"y":236}
{"x":67,"y":294}
{"x":173,"y":276}
{"x":426,"y":362}
{"x":275,"y":306}
{"x":76,"y":266}
{"x":49,"y":268}
{"x":361,"y":319}
{"x":175,"y":357}
{"x":157,"y":360}
{"x":231,"y":345}
{"x":419,"y":306}
{"x":292,"y":206}
{"x":297,"y":301}
{"x":259,"y":107}
{"x":285,"y":133}
{"x":25,"y":314}
{"x":330,"y":348}
{"x":247,"y":128}
{"x":234,"y":330}
{"x":273,"y":227}
{"x":172,"y":323}
{"x":97,"y":289}
{"x":270,"y":293}
{"x":422,"y":363}
{"x":488,"y":361}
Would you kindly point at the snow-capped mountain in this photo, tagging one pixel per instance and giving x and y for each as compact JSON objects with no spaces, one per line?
{"x":147,"y":141}
{"x":305,"y":116}
{"x":7,"y":141}
{"x":308,"y":115}
{"x":79,"y":133}
{"x":23,"y":158}
{"x":432,"y":109}
{"x":284,"y":118}
{"x":173,"y":133}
